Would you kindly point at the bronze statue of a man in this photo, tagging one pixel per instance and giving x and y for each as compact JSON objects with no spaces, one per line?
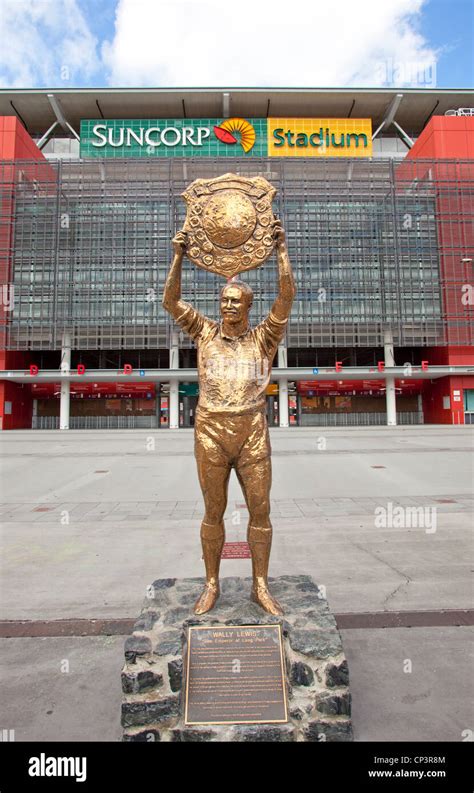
{"x":234,"y":367}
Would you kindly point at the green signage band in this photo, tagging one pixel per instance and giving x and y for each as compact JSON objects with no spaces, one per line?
{"x":173,"y":138}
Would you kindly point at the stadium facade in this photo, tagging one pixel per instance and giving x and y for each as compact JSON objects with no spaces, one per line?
{"x":375,"y":191}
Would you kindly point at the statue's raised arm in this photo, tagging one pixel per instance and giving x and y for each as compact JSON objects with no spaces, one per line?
{"x":286,"y":293}
{"x":188,"y":318}
{"x":172,"y":295}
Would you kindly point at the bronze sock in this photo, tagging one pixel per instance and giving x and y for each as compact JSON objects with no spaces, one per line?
{"x":212,"y":541}
{"x":260,"y":542}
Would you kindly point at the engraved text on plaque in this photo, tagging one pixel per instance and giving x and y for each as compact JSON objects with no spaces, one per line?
{"x":235,"y":674}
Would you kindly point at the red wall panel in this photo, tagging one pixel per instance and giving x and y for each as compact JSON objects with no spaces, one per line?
{"x":18,"y":394}
{"x":433,"y":410}
{"x":445,"y":137}
{"x":15,"y":144}
{"x":451,"y":137}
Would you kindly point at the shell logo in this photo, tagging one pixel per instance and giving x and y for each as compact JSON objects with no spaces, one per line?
{"x":224,"y":133}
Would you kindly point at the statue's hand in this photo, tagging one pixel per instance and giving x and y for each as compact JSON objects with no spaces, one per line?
{"x":279,"y":234}
{"x":180,"y":242}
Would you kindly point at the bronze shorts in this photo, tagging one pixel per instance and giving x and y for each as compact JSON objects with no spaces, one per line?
{"x":226,"y":439}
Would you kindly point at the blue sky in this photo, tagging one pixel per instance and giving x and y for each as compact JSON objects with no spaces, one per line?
{"x":93,"y":43}
{"x":449,"y":26}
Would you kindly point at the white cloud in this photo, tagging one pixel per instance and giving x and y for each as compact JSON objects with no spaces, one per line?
{"x":213,"y":43}
{"x":267,"y":43}
{"x":46,"y":43}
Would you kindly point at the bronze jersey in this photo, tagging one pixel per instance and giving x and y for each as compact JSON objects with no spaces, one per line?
{"x":233,"y":372}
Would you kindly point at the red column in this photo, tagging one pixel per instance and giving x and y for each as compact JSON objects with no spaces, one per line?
{"x":447,"y":142}
{"x":15,"y":145}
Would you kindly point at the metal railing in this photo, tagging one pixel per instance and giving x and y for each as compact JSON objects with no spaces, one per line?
{"x":97,"y":422}
{"x":151,"y":422}
{"x":357,"y":419}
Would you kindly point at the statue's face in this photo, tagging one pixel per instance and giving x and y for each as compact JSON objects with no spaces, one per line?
{"x":234,"y":305}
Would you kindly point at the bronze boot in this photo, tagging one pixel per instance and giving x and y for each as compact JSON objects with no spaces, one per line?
{"x":212,"y":541}
{"x":260,"y":542}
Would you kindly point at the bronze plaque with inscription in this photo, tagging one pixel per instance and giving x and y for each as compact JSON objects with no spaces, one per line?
{"x":235,"y":675}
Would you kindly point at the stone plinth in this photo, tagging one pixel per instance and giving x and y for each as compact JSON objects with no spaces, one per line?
{"x":319,"y":702}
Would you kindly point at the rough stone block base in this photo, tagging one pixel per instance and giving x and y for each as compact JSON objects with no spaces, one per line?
{"x":319,"y":702}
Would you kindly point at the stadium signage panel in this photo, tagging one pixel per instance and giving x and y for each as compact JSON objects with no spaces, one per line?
{"x":320,"y":137}
{"x":231,"y":137}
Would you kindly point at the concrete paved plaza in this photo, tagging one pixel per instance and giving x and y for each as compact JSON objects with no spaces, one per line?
{"x":90,"y":518}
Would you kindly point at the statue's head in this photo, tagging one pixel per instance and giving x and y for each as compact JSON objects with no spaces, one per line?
{"x":236,"y":300}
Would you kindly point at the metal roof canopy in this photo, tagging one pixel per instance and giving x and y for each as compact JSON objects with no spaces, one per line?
{"x":34,"y":108}
{"x":190,"y":375}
